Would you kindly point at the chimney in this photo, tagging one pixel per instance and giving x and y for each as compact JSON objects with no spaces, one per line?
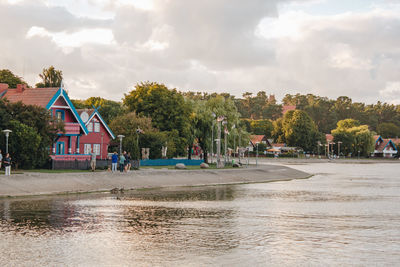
{"x":3,"y":86}
{"x":21,"y":88}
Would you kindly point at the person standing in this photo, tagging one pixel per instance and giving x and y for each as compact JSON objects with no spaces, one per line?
{"x":128,"y":160}
{"x":121,"y":163}
{"x":114,"y":162}
{"x":7,"y":164}
{"x":93,"y":160}
{"x":1,"y":158}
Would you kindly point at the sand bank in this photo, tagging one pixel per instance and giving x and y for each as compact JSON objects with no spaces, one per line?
{"x":57,"y":183}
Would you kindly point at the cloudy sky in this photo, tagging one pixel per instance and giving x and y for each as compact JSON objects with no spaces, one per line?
{"x":104,"y":47}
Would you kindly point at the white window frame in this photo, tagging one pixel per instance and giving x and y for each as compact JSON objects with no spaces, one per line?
{"x":97,"y":127}
{"x":87,"y":148}
{"x":96,"y":149}
{"x":90,"y":127}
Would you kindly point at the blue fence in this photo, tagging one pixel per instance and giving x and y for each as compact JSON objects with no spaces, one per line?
{"x":170,"y":162}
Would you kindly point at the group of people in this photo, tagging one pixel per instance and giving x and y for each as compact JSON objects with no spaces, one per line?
{"x":6,"y":161}
{"x":124,"y":161}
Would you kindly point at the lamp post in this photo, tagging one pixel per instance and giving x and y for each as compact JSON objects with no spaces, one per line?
{"x":218,"y":140}
{"x":225,"y":145}
{"x":7,"y":133}
{"x":234,"y":142}
{"x":138,"y":132}
{"x":318,"y":145}
{"x":212,"y":137}
{"x":257,"y":155}
{"x":339,"y":142}
{"x":101,"y":148}
{"x":120,"y":143}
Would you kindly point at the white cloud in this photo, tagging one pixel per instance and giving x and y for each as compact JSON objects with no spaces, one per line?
{"x":391,"y":93}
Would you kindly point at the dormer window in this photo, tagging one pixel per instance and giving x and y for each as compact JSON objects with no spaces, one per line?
{"x":60,"y":115}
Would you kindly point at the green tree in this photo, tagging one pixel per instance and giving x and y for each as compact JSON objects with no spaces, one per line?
{"x":263,"y":127}
{"x":50,"y":78}
{"x":24,"y":142}
{"x":108,"y":109}
{"x":24,"y":119}
{"x":388,"y":130}
{"x":299,"y":130}
{"x":6,"y":76}
{"x":167,"y":109}
{"x":354,"y":137}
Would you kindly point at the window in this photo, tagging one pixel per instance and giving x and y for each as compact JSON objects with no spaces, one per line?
{"x":97,"y":127}
{"x":60,"y":148}
{"x":96,"y":148}
{"x":60,"y":114}
{"x":87,"y":148}
{"x":90,"y":127}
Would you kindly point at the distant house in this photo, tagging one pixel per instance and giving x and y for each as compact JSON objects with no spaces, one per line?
{"x":384,"y":148}
{"x":329,"y":138}
{"x":287,"y":108}
{"x":67,"y":146}
{"x":258,"y":139}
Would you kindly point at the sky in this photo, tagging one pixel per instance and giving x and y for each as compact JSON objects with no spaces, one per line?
{"x":105,"y":47}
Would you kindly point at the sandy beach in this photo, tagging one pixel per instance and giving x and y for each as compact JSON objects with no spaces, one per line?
{"x":28,"y":184}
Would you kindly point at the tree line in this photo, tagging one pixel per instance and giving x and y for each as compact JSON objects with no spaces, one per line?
{"x":168,"y":117}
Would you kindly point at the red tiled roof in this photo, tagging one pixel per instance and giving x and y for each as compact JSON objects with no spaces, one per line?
{"x":278,"y":145}
{"x":257,"y":138}
{"x":329,"y":138}
{"x":32,"y":96}
{"x":287,"y":108}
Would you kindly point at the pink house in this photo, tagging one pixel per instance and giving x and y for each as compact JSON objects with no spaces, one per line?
{"x":99,"y":134}
{"x":68,"y":145}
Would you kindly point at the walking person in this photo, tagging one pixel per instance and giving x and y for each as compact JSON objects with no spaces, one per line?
{"x":1,"y":158}
{"x":93,"y":160}
{"x":7,"y":164}
{"x":128,"y":160}
{"x":121,"y":163}
{"x":114,"y":162}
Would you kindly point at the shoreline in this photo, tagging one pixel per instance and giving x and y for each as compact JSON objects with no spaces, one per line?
{"x":38,"y":184}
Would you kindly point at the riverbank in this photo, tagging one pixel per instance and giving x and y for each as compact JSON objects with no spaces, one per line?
{"x":28,"y":184}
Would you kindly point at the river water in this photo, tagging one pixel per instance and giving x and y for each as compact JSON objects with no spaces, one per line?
{"x":346,"y":214}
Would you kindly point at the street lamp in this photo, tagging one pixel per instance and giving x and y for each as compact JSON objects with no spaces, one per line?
{"x":218,"y":140}
{"x":234,"y":142}
{"x":257,"y":155}
{"x":225,"y":144}
{"x":120,"y":143}
{"x":7,"y":133}
{"x":138,"y":131}
{"x":212,"y":137}
{"x":101,"y":148}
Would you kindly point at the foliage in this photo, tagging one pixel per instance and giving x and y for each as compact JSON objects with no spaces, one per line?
{"x":155,"y":141}
{"x":50,"y":78}
{"x":388,"y":130}
{"x":260,"y":106}
{"x":354,"y":138}
{"x":6,"y":76}
{"x":262,"y":127}
{"x":167,"y":109}
{"x":35,"y":125}
{"x":108,"y":109}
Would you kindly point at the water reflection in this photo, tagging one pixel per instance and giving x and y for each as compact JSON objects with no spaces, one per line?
{"x":347,"y":215}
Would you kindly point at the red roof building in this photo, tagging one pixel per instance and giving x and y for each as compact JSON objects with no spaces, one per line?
{"x":287,"y":108}
{"x":67,"y":145}
{"x":384,"y":147}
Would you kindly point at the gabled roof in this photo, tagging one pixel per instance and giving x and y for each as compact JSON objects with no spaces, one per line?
{"x":31,"y":96}
{"x":382,"y":143}
{"x":42,"y":97}
{"x":254,"y":139}
{"x":94,"y":112}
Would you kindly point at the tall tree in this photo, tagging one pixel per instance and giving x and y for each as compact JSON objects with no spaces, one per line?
{"x":6,"y":76}
{"x":168,"y":110}
{"x":50,"y":78}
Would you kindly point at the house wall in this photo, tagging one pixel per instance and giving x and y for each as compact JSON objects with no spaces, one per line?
{"x":96,"y":138}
